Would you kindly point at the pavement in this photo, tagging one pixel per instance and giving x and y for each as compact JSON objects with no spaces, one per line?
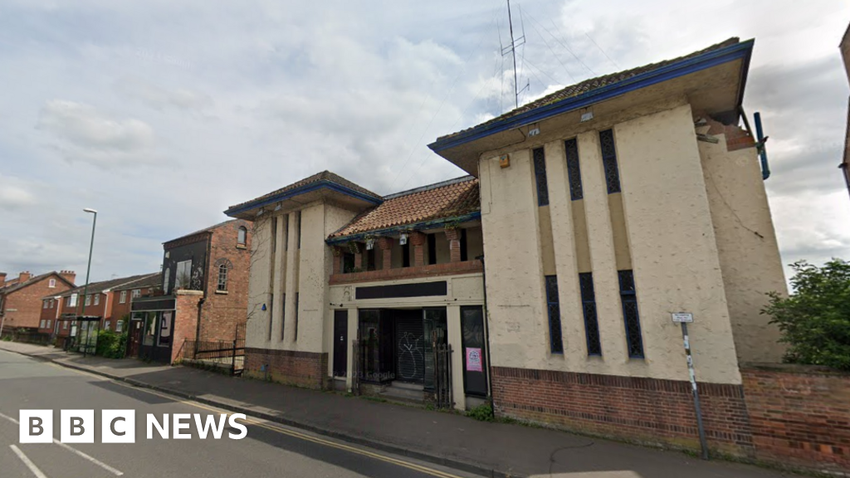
{"x":445,"y":439}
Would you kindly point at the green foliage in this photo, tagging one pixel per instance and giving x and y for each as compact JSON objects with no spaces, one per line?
{"x":815,"y":321}
{"x":111,"y":344}
{"x":483,"y":413}
{"x":7,"y":338}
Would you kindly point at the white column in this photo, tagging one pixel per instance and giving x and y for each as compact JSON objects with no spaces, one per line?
{"x":455,"y":340}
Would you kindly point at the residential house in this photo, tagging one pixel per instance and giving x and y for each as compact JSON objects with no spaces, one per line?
{"x":607,"y":207}
{"x":104,"y":303}
{"x":845,"y":55}
{"x":20,"y":298}
{"x":204,"y":292}
{"x":335,"y":264}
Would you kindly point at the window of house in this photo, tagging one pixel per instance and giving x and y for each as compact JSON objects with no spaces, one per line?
{"x":119,"y":326}
{"x":296,"y":315}
{"x":165,"y":329}
{"x":122,"y":299}
{"x":405,"y":255}
{"x":222,"y":278}
{"x":298,"y":230}
{"x":65,"y":325}
{"x":51,"y":283}
{"x":137,"y":293}
{"x":241,"y":236}
{"x":184,"y":275}
{"x":107,"y":324}
{"x":165,"y":279}
{"x":49,"y":322}
{"x":97,"y":299}
{"x":274,"y":234}
{"x":283,"y":317}
{"x":52,"y":303}
{"x":588,"y":305}
{"x":45,"y":304}
{"x":370,"y":260}
{"x":539,"y":159}
{"x":88,"y":300}
{"x":628,"y":296}
{"x":41,"y":324}
{"x":432,"y":249}
{"x":72,"y":301}
{"x":286,"y":232}
{"x":271,"y":313}
{"x":464,"y":248}
{"x":573,"y":169}
{"x":609,"y":161}
{"x":553,"y":309}
{"x":347,"y":262}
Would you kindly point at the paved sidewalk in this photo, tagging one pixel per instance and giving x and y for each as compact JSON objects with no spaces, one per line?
{"x":454,"y":440}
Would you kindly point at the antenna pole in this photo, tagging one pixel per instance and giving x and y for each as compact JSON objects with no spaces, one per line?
{"x":513,"y":51}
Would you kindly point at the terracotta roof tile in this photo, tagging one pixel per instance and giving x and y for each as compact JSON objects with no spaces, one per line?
{"x":323,"y":176}
{"x":593,"y":84}
{"x":438,"y":201}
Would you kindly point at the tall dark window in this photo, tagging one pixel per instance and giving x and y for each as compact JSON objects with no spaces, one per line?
{"x":628,"y":295}
{"x":298,"y":230}
{"x":464,"y":249}
{"x":609,"y":161}
{"x":405,"y":255}
{"x":588,"y":305}
{"x":432,"y":249}
{"x":347,"y":262}
{"x":283,"y":316}
{"x":271,"y":311}
{"x":553,"y":308}
{"x":296,"y":315}
{"x":222,"y":278}
{"x":540,"y":176}
{"x":370,"y":260}
{"x":274,"y":235}
{"x":286,"y":232}
{"x":573,"y":169}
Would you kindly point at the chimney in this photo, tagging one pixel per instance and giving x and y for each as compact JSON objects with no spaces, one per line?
{"x":23,"y":277}
{"x":68,"y":276}
{"x":2,"y":280}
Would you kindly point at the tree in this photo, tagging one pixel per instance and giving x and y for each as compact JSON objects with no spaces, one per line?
{"x":815,"y":320}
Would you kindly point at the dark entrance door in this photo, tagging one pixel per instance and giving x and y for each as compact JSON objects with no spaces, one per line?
{"x":474,"y":351}
{"x":410,"y":346}
{"x":340,"y":343}
{"x":134,"y":338}
{"x":435,"y":334}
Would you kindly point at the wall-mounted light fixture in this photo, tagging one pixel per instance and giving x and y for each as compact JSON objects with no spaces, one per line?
{"x":402,"y":239}
{"x":260,"y":212}
{"x":370,"y":243}
{"x":586,"y":115}
{"x":278,"y":206}
{"x":534,"y":130}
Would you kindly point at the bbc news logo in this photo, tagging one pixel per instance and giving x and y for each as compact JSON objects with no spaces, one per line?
{"x":119,"y":426}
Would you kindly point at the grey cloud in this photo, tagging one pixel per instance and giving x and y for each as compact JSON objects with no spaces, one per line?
{"x":161,"y":99}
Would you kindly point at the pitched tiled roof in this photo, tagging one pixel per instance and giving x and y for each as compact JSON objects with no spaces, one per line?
{"x":95,"y":287}
{"x":448,"y":199}
{"x":154,"y":279}
{"x":33,"y":280}
{"x":593,"y":84}
{"x":326,"y":176}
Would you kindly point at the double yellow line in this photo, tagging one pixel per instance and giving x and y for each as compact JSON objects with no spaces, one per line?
{"x":302,"y":436}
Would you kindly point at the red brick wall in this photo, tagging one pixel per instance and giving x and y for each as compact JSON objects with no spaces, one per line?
{"x":800,"y":415}
{"x":28,"y":302}
{"x":304,"y":369}
{"x":448,"y":268}
{"x":646,"y":410}
{"x":185,"y":319}
{"x":222,"y":312}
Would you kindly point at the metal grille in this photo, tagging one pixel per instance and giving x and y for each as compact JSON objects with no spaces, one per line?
{"x":573,"y":170}
{"x":591,"y":323}
{"x":631,"y":317}
{"x":553,"y":308}
{"x":540,"y":176}
{"x":609,"y":161}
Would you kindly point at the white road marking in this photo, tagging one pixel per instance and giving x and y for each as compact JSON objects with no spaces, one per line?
{"x":75,"y":451}
{"x":34,"y":469}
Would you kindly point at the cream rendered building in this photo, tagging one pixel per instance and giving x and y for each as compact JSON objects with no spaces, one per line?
{"x":606,"y":207}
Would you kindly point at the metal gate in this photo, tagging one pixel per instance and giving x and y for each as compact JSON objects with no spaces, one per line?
{"x":443,"y":376}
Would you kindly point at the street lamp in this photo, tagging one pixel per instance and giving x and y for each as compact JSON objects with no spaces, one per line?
{"x":88,"y":270}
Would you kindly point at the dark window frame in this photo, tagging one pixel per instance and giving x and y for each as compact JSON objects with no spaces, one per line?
{"x":591,"y":321}
{"x":432,"y":249}
{"x":631,"y":317}
{"x":609,"y":160}
{"x":573,"y":169}
{"x":539,"y":159}
{"x":242,"y":236}
{"x":553,"y":310}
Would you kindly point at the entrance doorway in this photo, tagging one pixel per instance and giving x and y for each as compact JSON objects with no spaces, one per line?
{"x":340,"y":365}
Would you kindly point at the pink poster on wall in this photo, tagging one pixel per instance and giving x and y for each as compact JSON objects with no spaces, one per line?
{"x":473,"y":360}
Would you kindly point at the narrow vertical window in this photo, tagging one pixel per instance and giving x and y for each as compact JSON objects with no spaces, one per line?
{"x":274,"y":235}
{"x":283,"y":317}
{"x":370,"y":260}
{"x":286,"y":232}
{"x":628,"y":295}
{"x":553,"y":308}
{"x":271,"y":313}
{"x":296,"y":315}
{"x":540,"y":176}
{"x":588,"y":305}
{"x":432,"y":249}
{"x":464,"y":251}
{"x":405,"y":255}
{"x":298,"y":231}
{"x":241,"y":236}
{"x":573,"y":169}
{"x":222,"y":278}
{"x":609,"y":161}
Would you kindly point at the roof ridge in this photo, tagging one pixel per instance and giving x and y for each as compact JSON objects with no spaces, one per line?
{"x":429,"y":187}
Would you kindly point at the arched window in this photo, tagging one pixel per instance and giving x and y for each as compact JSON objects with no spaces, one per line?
{"x":222,"y":278}
{"x":242,"y":236}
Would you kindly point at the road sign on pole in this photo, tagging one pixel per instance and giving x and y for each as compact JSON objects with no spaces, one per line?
{"x":684,"y":318}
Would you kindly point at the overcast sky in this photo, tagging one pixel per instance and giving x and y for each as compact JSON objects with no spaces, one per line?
{"x":162,"y":114}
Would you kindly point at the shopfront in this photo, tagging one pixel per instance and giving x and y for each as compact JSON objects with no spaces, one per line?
{"x":151,"y":329}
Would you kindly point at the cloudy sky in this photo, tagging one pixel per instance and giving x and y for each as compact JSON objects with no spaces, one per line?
{"x":160,"y":114}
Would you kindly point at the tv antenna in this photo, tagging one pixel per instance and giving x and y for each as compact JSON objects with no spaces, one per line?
{"x":515,"y":42}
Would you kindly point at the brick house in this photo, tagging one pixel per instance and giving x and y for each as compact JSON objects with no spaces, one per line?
{"x":204,"y":292}
{"x":108,"y":301}
{"x":20,"y":298}
{"x":845,"y":55}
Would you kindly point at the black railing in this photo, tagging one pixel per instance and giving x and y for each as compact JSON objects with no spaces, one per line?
{"x":219,"y":354}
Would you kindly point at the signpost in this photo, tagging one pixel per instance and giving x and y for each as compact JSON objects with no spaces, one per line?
{"x":685,"y":318}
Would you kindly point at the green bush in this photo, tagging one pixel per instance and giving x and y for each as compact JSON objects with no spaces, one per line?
{"x":111,"y":344}
{"x":815,"y":320}
{"x":483,"y":413}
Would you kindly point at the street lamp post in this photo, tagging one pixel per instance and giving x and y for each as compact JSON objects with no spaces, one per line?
{"x":88,"y":270}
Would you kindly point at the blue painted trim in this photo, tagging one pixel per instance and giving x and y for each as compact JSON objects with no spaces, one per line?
{"x":323,"y":183}
{"x":404,"y":227}
{"x":742,"y":50}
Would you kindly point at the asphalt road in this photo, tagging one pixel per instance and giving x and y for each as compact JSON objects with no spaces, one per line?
{"x":269,"y":450}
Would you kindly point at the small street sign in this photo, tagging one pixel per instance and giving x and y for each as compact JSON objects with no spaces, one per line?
{"x":682,"y":317}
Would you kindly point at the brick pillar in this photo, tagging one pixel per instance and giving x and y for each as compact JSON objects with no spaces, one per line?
{"x":453,"y":235}
{"x":386,"y":246}
{"x":417,"y":240}
{"x":337,"y":267}
{"x":358,"y":256}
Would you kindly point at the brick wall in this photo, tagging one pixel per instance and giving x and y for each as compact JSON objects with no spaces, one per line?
{"x":28,"y":304}
{"x":185,"y":319}
{"x":800,"y":415}
{"x":448,"y":268}
{"x":223,"y":311}
{"x":304,"y":369}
